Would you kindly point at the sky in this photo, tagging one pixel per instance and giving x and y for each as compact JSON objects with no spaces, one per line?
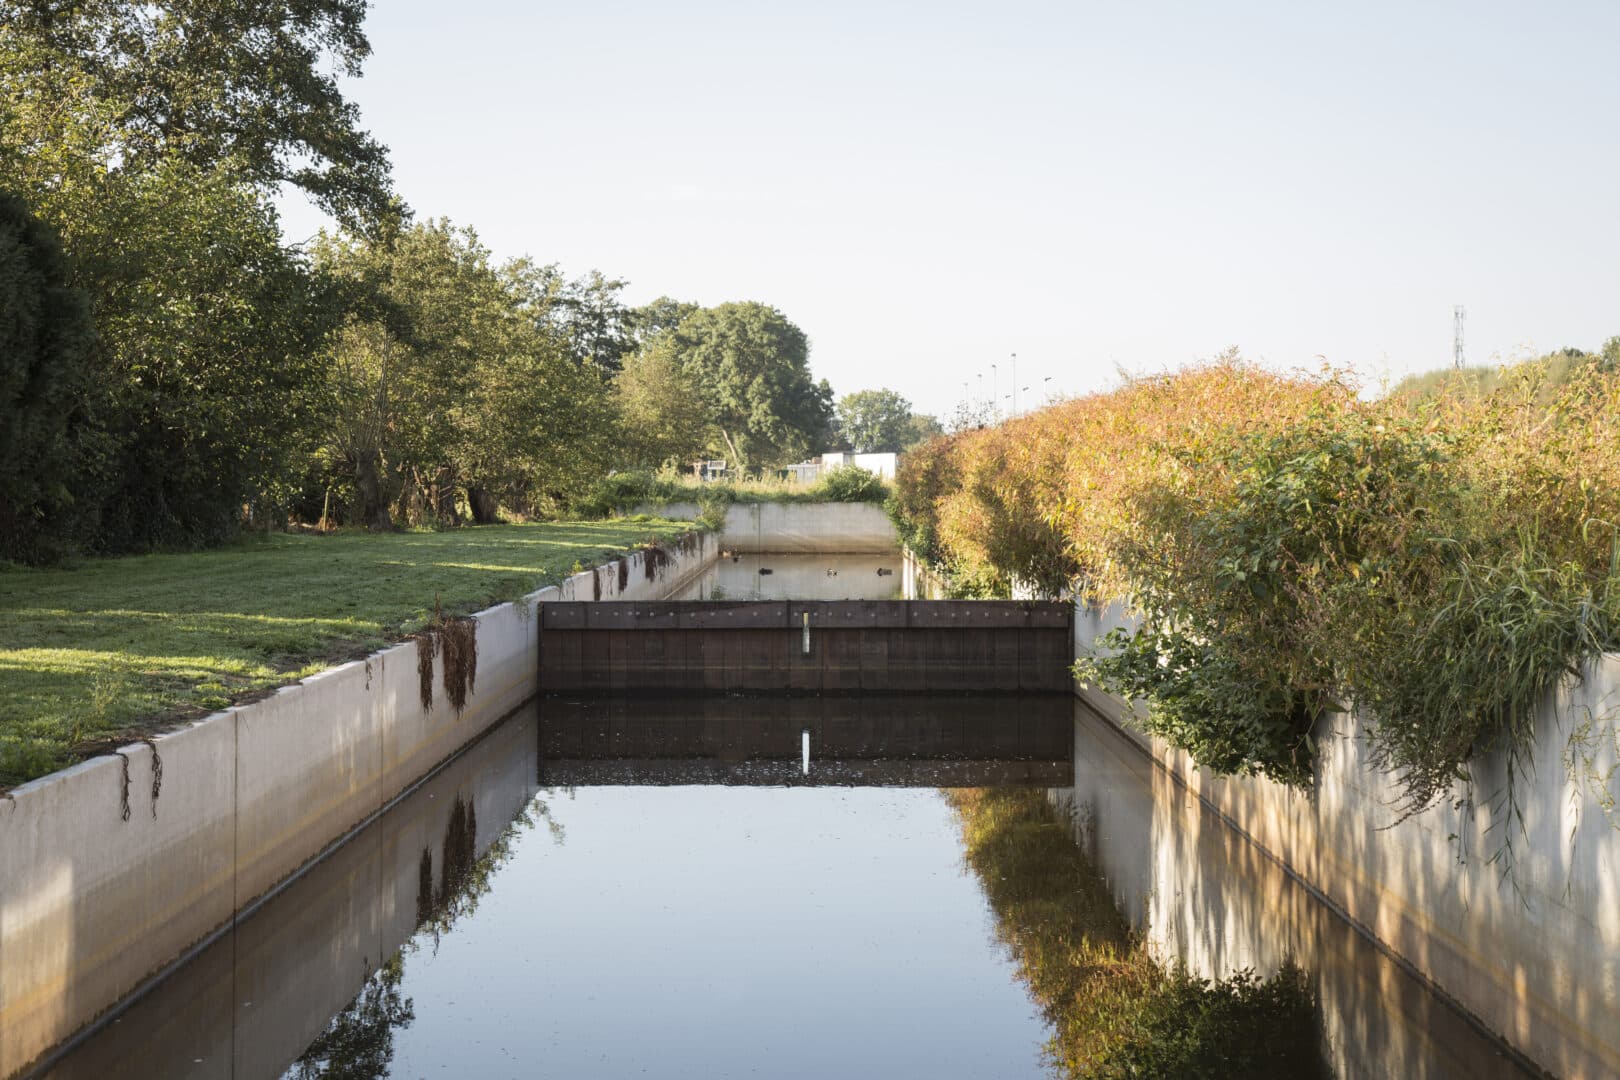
{"x":1095,"y":187}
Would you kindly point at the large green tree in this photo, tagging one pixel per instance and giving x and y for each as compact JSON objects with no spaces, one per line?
{"x":448,"y":388}
{"x":751,"y":363}
{"x":920,"y":428}
{"x":254,"y":82}
{"x":206,"y":371}
{"x":659,"y":316}
{"x":152,"y":137}
{"x":663,"y":416}
{"x":45,"y":347}
{"x":874,"y":421}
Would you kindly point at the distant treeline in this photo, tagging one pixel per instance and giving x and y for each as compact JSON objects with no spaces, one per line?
{"x":171,"y":371}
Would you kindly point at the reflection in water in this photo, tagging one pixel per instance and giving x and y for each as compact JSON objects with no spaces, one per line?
{"x":919,"y":740}
{"x":717,"y":911}
{"x":359,"y":1043}
{"x":1200,"y":896}
{"x":315,"y":983}
{"x":1114,"y":1011}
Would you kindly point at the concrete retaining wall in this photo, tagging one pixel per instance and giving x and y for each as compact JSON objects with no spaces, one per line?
{"x":93,"y":906}
{"x":250,"y":1003}
{"x":1536,"y":957}
{"x":789,"y":528}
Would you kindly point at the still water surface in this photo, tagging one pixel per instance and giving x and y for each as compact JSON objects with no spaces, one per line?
{"x":760,"y":888}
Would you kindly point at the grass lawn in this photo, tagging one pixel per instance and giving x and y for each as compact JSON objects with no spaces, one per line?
{"x":119,"y":646}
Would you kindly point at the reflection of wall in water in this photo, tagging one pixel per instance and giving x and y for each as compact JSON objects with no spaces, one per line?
{"x":914,"y":740}
{"x":303,"y":957}
{"x":798,"y":577}
{"x":1202,"y":894}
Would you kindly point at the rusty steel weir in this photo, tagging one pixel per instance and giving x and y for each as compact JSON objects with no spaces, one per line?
{"x":806,"y":647}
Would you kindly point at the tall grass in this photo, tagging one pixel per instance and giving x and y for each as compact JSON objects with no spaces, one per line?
{"x":1293,"y":548}
{"x":625,"y":492}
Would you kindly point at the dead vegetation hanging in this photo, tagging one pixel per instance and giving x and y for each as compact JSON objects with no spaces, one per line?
{"x":157,"y":779}
{"x":455,"y":640}
{"x":624,"y":573}
{"x":653,"y":560}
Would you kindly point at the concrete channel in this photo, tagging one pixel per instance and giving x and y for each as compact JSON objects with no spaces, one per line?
{"x":109,"y":880}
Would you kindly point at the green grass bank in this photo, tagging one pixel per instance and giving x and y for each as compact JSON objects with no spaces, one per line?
{"x":112,"y":648}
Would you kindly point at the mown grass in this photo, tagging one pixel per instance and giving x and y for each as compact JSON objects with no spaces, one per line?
{"x":115,"y":647}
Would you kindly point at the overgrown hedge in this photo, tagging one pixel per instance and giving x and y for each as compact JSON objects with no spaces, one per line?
{"x":623,"y":492}
{"x":1291,"y":547}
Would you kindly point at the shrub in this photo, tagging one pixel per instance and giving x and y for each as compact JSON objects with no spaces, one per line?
{"x":1292,"y":548}
{"x":850,"y":483}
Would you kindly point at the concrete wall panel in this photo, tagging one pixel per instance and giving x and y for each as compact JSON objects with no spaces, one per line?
{"x":92,"y":906}
{"x":308,"y":768}
{"x":1534,"y":954}
{"x":788,"y":528}
{"x":846,"y":528}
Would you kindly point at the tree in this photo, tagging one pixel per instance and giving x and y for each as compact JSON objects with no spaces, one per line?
{"x":919,"y":429}
{"x":45,"y":351}
{"x":254,"y":82}
{"x":662,"y":414}
{"x":752,"y":366}
{"x":661,"y":315}
{"x":968,"y":415}
{"x":204,"y":378}
{"x":874,"y":421}
{"x":151,"y":138}
{"x":449,"y":386}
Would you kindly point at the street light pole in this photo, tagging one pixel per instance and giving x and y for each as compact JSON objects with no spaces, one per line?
{"x":995,"y":410}
{"x":1015,"y":384}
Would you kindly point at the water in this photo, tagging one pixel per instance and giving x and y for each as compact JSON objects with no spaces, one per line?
{"x":897,"y":887}
{"x":614,"y":889}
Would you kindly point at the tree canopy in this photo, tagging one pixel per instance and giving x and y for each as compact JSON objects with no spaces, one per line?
{"x":751,"y":364}
{"x":45,"y":342}
{"x":253,"y":82}
{"x":665,"y":418}
{"x":454,"y":383}
{"x":874,"y":421}
{"x":174,"y":371}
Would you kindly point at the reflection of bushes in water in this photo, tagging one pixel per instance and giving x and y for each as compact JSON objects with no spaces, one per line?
{"x":1113,"y":1010}
{"x":464,"y":875}
{"x":460,"y":883}
{"x":358,"y":1043}
{"x":1240,"y":1026}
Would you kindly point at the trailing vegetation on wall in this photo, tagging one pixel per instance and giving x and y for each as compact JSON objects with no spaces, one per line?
{"x":1291,"y":547}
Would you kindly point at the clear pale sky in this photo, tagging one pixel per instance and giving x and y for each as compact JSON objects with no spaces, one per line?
{"x":926,"y":189}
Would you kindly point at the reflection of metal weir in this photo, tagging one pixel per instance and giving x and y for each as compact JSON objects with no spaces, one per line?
{"x":919,"y":741}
